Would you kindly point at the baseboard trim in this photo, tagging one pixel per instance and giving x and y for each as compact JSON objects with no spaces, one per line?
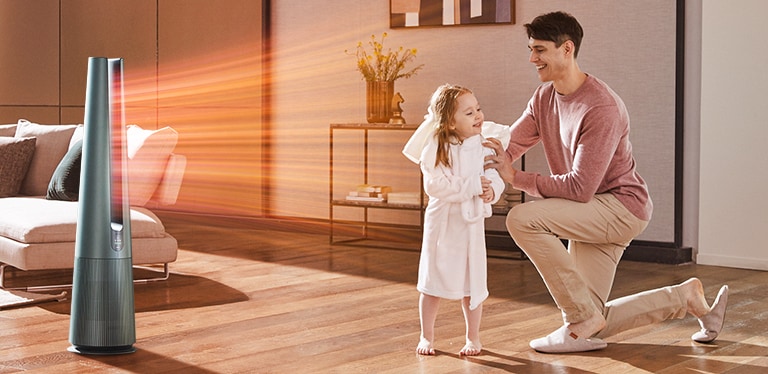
{"x":732,"y":261}
{"x":658,"y":252}
{"x":640,"y":251}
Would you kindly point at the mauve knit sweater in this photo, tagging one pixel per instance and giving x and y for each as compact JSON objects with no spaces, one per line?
{"x":585,"y":136}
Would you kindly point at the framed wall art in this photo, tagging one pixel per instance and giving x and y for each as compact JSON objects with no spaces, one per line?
{"x":425,"y":13}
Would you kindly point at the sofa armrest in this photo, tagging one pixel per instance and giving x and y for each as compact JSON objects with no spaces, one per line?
{"x":168,"y":190}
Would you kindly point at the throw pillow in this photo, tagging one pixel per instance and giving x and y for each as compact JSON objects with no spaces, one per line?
{"x":148,"y":152}
{"x":52,"y":143}
{"x":15,"y":155}
{"x":65,"y":183}
{"x":77,"y":135}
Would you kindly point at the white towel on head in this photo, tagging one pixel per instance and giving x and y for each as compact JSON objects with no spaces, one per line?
{"x":418,"y":140}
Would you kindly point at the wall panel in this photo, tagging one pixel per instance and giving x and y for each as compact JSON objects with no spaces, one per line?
{"x":115,"y":28}
{"x":29,"y":53}
{"x":317,"y":83}
{"x":733,"y":211}
{"x":209,"y":88}
{"x":193,"y":65}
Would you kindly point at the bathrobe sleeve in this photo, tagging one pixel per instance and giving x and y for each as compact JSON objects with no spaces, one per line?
{"x":442,"y":183}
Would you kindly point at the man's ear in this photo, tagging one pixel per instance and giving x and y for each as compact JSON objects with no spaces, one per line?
{"x":569,"y":47}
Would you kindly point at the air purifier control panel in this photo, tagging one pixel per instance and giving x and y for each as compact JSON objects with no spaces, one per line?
{"x":117,"y":236}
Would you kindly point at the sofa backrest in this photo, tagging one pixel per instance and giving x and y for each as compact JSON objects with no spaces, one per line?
{"x":154,"y":172}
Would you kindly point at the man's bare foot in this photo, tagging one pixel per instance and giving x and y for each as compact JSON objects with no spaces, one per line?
{"x":471,"y":349}
{"x":692,"y":291}
{"x":589,"y":327}
{"x":425,"y":347}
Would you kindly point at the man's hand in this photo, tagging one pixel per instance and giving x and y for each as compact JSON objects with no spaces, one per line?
{"x":500,"y":161}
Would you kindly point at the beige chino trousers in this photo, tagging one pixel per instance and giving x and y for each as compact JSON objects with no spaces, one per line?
{"x":580,"y":279}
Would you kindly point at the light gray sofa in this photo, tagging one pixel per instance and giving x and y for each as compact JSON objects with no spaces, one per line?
{"x":38,"y":222}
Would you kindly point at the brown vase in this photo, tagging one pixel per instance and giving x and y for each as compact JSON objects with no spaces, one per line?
{"x":378,"y":101}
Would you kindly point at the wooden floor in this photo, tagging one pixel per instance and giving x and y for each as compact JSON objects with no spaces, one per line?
{"x":241,"y":300}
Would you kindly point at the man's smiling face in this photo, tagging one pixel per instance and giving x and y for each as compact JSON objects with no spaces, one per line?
{"x":549,"y":60}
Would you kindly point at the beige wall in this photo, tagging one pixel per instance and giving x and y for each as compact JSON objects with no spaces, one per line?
{"x":628,"y":44}
{"x":194,"y":65}
{"x":733,"y":210}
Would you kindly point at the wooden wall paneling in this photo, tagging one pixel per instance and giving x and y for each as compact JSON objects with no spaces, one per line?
{"x":196,"y":64}
{"x":209,"y":84}
{"x":72,"y":114}
{"x":222,"y":147}
{"x":38,"y":114}
{"x":116,"y":28}
{"x":29,"y":55}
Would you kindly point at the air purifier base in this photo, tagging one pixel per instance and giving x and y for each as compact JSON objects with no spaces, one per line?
{"x":101,"y":351}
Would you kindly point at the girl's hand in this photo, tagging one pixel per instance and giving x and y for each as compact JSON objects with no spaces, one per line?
{"x":488,"y":193}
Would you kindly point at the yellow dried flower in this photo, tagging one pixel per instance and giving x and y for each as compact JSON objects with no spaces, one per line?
{"x":380,"y":65}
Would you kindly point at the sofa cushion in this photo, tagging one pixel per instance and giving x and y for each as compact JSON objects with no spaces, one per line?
{"x":148,"y":152}
{"x":15,"y":155}
{"x":65,"y":182}
{"x":61,"y":255}
{"x":8,"y":130}
{"x":52,"y":143}
{"x":22,"y":221}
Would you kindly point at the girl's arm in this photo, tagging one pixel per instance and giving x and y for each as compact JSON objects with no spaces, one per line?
{"x":440,"y":182}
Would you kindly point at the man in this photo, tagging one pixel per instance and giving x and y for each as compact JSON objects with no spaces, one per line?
{"x":594,"y":198}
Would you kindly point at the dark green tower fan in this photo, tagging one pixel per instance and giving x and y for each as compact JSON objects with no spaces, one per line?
{"x":102,"y":319}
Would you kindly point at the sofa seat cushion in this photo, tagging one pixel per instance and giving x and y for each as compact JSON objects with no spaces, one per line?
{"x":37,"y":220}
{"x":61,"y":255}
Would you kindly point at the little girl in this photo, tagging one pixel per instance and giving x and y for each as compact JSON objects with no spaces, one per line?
{"x":453,"y":258}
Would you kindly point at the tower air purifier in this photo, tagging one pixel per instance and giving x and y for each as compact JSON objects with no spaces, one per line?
{"x":102,"y":318}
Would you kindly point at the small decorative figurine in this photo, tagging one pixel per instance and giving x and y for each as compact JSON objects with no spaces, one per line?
{"x":397,"y":111}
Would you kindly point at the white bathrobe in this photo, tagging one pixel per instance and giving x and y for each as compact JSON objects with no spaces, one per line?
{"x":453,"y":256}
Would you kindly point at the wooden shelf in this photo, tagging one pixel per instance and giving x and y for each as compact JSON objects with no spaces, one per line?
{"x":365,"y":224}
{"x":372,"y":204}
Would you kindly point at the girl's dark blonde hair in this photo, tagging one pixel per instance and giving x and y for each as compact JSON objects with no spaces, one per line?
{"x":443,"y":106}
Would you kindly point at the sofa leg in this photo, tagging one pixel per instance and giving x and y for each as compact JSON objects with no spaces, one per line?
{"x":2,"y":275}
{"x":165,"y":273}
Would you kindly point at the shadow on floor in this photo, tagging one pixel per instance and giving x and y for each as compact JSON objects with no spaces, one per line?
{"x":180,"y":291}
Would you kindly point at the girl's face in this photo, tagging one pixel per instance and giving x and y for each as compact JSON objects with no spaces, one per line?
{"x":468,"y":119}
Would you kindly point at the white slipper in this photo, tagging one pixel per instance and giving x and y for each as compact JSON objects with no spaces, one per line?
{"x":712,"y":322}
{"x":563,"y":340}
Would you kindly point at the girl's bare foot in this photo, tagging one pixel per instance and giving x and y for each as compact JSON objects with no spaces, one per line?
{"x":471,"y":349}
{"x":425,"y":347}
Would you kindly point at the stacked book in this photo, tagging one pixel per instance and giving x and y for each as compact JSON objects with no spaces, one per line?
{"x":413,"y":198}
{"x":370,"y":193}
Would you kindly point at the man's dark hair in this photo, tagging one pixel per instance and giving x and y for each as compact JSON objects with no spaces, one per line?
{"x":557,"y":27}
